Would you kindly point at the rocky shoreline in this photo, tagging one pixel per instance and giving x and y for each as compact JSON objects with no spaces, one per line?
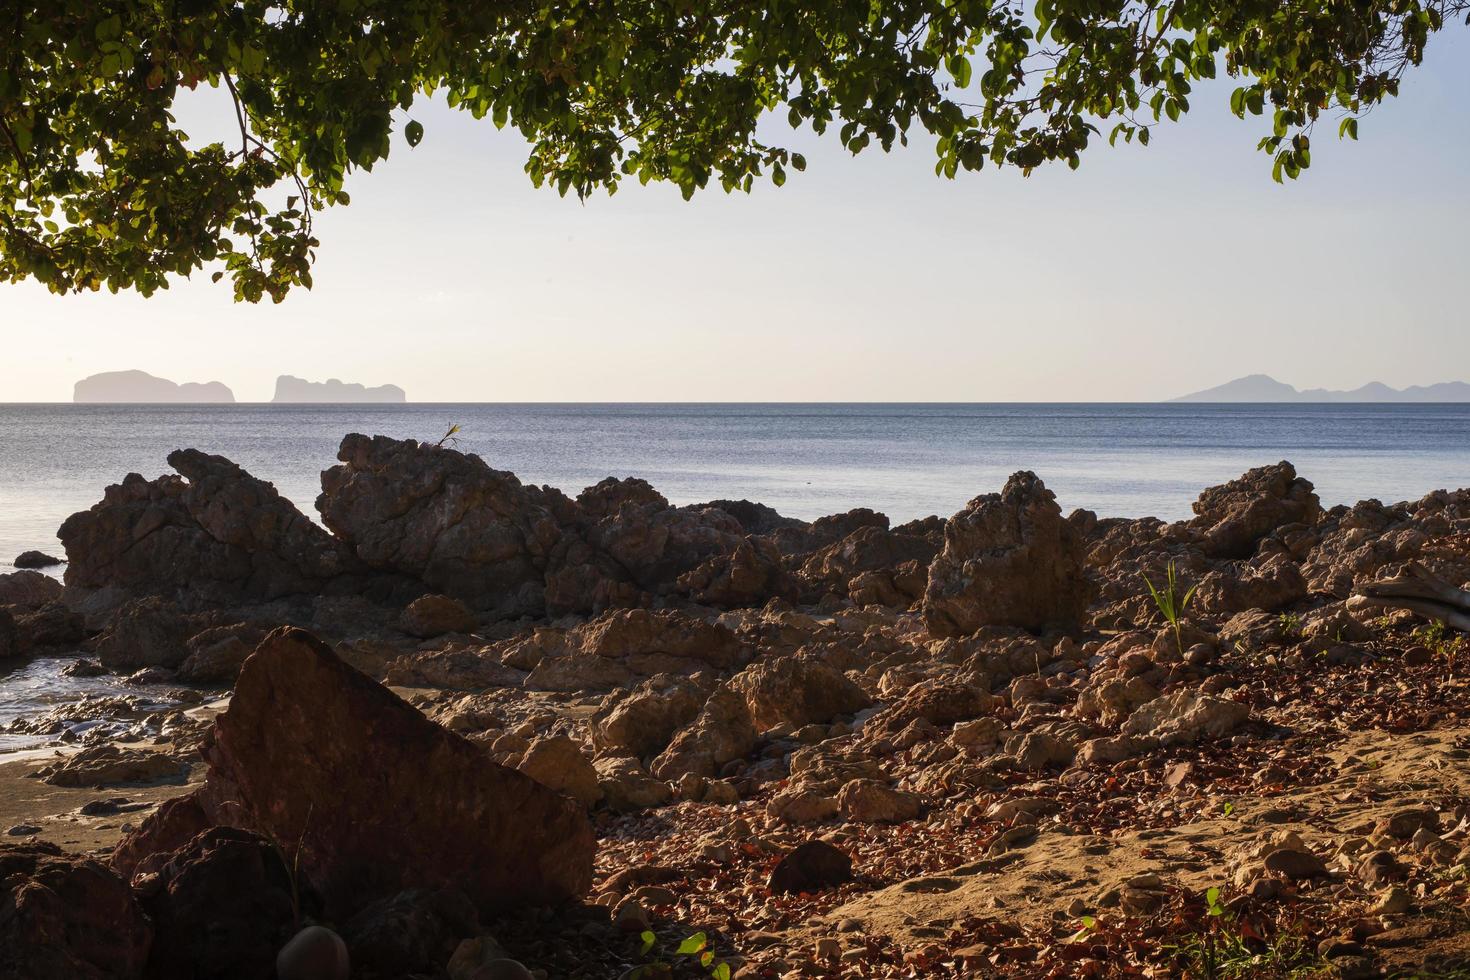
{"x":480,"y":729}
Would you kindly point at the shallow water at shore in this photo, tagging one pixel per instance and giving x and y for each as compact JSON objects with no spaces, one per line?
{"x":81,"y":706}
{"x":805,"y":460}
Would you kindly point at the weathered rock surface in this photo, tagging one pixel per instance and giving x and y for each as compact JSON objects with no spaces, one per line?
{"x":444,"y":517}
{"x":28,"y":589}
{"x":67,"y":918}
{"x":1009,"y":559}
{"x":380,"y":798}
{"x":35,"y":559}
{"x":1232,"y":518}
{"x":215,"y":530}
{"x":796,"y":691}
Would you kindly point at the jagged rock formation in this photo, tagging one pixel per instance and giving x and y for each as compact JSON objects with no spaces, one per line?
{"x":293,"y":390}
{"x":1009,"y":559}
{"x":143,"y":388}
{"x":214,"y":530}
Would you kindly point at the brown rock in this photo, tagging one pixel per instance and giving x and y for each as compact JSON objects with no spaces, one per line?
{"x":434,"y":615}
{"x":556,"y":761}
{"x":810,"y":867}
{"x":1009,"y":559}
{"x":222,"y":906}
{"x":871,"y":801}
{"x":722,"y":733}
{"x":1232,"y":518}
{"x":147,"y":632}
{"x":796,"y":691}
{"x":67,"y":918}
{"x":28,"y":589}
{"x":379,"y":798}
{"x":641,"y":722}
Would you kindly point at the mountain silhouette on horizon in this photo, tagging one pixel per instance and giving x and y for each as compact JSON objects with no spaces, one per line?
{"x":294,"y":390}
{"x":140,"y":387}
{"x":1264,"y":388}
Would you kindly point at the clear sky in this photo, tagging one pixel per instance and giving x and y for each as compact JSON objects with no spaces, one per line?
{"x":1148,"y":273}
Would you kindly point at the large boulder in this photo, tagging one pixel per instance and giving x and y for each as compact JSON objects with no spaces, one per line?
{"x":1232,"y":518}
{"x":222,"y":906}
{"x":870,"y":550}
{"x":64,"y":917}
{"x":215,"y":530}
{"x":1009,"y":559}
{"x":376,"y":797}
{"x":443,"y":517}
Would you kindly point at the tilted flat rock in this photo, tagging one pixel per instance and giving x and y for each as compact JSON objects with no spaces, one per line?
{"x":379,"y":797}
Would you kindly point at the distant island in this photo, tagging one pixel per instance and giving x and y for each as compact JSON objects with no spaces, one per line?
{"x":1263,"y":388}
{"x":294,"y":390}
{"x":141,"y":387}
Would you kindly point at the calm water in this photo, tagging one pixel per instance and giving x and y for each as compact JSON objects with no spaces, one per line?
{"x":805,"y":460}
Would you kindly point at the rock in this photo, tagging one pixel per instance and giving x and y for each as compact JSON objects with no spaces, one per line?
{"x":795,"y":691}
{"x":1186,"y":716}
{"x":866,"y":560}
{"x":1295,"y":864}
{"x":443,"y":517}
{"x":721,"y":733}
{"x":747,"y":576}
{"x":1395,"y":901}
{"x":627,"y":786}
{"x":642,"y":722}
{"x":936,"y":702}
{"x":314,"y":953}
{"x":502,"y":969}
{"x":84,"y":668}
{"x":980,"y":734}
{"x":1379,"y":868}
{"x":49,"y":628}
{"x":1040,"y":750}
{"x":810,"y":867}
{"x":412,"y":933}
{"x":147,"y":632}
{"x":28,"y":589}
{"x":216,"y":531}
{"x":558,"y":762}
{"x":1114,"y":700}
{"x":1113,"y":749}
{"x":802,"y":804}
{"x":456,"y":668}
{"x":1406,"y":822}
{"x":429,"y":616}
{"x":108,"y":765}
{"x":871,"y":801}
{"x":1232,"y":518}
{"x":633,"y":633}
{"x":35,"y":559}
{"x":222,"y":906}
{"x":9,"y":642}
{"x":1009,"y":559}
{"x":67,"y":918}
{"x":216,"y":655}
{"x":382,"y":799}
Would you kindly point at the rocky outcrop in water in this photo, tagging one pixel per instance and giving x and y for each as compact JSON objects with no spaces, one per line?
{"x":214,"y":530}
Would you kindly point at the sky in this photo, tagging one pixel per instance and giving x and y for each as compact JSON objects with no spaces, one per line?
{"x":1148,"y":273}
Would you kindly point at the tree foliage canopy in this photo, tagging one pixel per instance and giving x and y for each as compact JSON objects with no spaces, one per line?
{"x":99,"y":187}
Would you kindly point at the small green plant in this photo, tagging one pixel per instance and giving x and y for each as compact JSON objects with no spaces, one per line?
{"x":695,"y":947}
{"x":1228,"y":808}
{"x":1291,"y":625}
{"x":448,"y":439}
{"x":1171,"y":603}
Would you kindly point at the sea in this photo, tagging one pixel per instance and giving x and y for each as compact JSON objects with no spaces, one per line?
{"x":805,"y":460}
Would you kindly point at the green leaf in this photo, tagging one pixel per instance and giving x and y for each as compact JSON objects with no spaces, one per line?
{"x":693,"y":944}
{"x":721,"y":971}
{"x":413,"y":132}
{"x":649,"y":939}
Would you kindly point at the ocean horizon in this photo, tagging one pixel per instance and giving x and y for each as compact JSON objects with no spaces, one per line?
{"x":805,"y":459}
